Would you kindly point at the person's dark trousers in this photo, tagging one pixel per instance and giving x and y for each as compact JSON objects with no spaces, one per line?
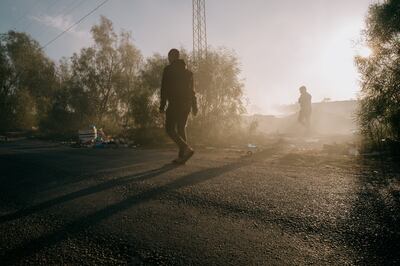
{"x":175,"y":125}
{"x":304,"y":117}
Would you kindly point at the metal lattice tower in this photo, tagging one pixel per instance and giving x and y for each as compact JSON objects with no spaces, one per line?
{"x":199,"y":30}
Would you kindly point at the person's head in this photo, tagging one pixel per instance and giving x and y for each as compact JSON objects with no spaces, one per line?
{"x":303,"y":89}
{"x":173,"y":55}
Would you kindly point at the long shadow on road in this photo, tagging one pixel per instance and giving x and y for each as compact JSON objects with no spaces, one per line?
{"x":75,"y":227}
{"x":373,"y":227}
{"x":85,"y":192}
{"x":25,"y":175}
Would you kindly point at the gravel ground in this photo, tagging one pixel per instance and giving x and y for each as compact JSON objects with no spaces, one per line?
{"x":60,"y":205}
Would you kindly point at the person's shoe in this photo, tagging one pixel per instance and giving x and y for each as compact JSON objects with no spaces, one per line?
{"x":177,"y":160}
{"x":187,"y":154}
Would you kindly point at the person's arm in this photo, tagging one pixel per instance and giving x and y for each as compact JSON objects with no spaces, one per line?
{"x":163,"y":96}
{"x":193,"y":95}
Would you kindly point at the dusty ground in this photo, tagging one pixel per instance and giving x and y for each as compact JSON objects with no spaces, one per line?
{"x":128,"y":206}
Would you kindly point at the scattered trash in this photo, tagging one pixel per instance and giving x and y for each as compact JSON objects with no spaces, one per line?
{"x":251,"y":148}
{"x":88,"y":137}
{"x":96,"y":138}
{"x":101,"y":137}
{"x":99,"y":145}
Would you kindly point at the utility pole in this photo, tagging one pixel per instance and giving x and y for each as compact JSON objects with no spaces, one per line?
{"x":199,"y":30}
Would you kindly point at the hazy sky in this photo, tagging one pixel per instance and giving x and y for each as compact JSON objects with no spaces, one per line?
{"x":281,"y":44}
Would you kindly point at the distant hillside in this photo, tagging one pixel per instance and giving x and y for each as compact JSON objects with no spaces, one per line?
{"x":336,"y":117}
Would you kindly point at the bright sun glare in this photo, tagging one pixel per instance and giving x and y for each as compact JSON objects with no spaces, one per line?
{"x":364,"y":51}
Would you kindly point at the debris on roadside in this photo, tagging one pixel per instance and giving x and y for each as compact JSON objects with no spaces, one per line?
{"x":97,"y":138}
{"x":87,"y":137}
{"x":251,"y":148}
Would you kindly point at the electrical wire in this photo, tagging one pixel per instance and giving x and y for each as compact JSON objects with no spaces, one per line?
{"x":68,"y":10}
{"x":76,"y":23}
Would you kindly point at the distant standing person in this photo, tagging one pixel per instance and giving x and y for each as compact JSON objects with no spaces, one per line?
{"x":177,"y":91}
{"x":305,"y":107}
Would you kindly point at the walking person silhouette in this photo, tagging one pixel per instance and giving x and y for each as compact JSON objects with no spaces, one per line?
{"x":305,"y":107}
{"x":177,"y":93}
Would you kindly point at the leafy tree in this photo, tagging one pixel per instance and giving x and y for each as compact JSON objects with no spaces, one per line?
{"x":218,"y":89}
{"x":71,"y":108}
{"x":108,"y":84}
{"x":144,"y":102}
{"x":379,"y":115}
{"x":7,"y":90}
{"x":27,"y":81}
{"x":97,"y":83}
{"x":219,"y":94}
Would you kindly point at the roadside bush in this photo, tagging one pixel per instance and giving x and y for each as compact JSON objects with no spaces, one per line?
{"x":379,"y":114}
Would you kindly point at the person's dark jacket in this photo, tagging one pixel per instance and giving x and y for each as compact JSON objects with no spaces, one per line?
{"x":305,"y":102}
{"x":177,"y":87}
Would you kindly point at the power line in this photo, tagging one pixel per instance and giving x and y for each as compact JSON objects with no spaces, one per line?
{"x":69,"y":9}
{"x":76,"y":23}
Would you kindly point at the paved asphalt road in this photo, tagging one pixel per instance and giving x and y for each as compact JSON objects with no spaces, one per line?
{"x":60,"y":205}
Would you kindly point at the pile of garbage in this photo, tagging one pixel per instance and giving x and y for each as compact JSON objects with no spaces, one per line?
{"x":96,"y":138}
{"x":251,"y":149}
